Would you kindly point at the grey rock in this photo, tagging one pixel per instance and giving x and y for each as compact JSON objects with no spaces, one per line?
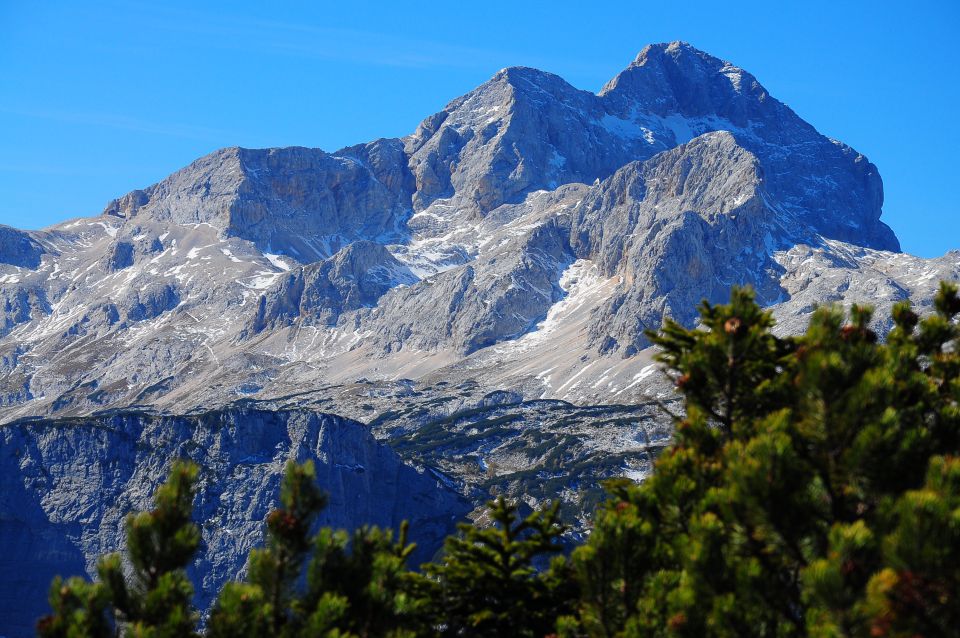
{"x":121,"y":256}
{"x":499,"y":296}
{"x":317,"y":294}
{"x":18,"y":248}
{"x":128,"y":205}
{"x":387,"y":161}
{"x":683,"y":226}
{"x":150,"y":302}
{"x":20,"y":304}
{"x":521,"y":131}
{"x":824,"y":183}
{"x":297,"y":201}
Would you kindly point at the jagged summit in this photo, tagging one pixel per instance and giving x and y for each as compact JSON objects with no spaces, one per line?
{"x":677,"y":78}
{"x":677,"y":50}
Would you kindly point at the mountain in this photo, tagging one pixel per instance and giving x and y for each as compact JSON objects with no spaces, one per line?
{"x":476,"y":292}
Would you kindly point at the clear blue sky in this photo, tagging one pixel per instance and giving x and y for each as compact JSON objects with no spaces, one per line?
{"x":98,"y":98}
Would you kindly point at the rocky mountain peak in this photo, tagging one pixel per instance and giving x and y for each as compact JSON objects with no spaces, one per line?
{"x":300,"y":202}
{"x":678,"y":79}
{"x":526,"y":222}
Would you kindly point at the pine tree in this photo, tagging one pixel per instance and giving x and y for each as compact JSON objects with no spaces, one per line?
{"x":354,"y":586}
{"x":265,"y":605}
{"x":783,"y":506}
{"x":365,"y":578}
{"x":917,"y":593}
{"x":488,"y":583}
{"x":79,"y":610}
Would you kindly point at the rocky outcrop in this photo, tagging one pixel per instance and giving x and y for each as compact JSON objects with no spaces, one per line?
{"x":20,"y":304}
{"x":521,"y":131}
{"x":387,"y":161}
{"x":824,"y":184}
{"x":128,"y":205}
{"x":317,"y":294}
{"x":18,"y":248}
{"x":499,"y":296}
{"x":683,"y":226}
{"x":300,"y":202}
{"x":152,"y":301}
{"x":69,"y":484}
{"x":526,"y":130}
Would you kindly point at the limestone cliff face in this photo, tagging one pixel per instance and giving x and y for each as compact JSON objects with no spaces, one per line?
{"x":68,"y":484}
{"x":317,"y":294}
{"x":822,"y":182}
{"x":299,"y":201}
{"x":521,"y":131}
{"x":18,"y":248}
{"x":681,"y":227}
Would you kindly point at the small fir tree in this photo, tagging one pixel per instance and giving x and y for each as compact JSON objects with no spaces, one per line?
{"x":488,"y":584}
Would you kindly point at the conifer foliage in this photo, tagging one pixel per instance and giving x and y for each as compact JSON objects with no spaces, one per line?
{"x":488,"y":583}
{"x":354,"y":586}
{"x":812,"y":489}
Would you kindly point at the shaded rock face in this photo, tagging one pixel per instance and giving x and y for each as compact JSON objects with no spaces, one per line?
{"x":69,"y":484}
{"x":826,"y":183}
{"x":152,"y":301}
{"x":387,"y":161}
{"x":317,"y":294}
{"x":18,"y":248}
{"x":132,"y":248}
{"x":128,"y":205}
{"x":121,"y":256}
{"x":21,"y":304}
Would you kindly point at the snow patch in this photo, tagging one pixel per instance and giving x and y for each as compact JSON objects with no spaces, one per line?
{"x":110,"y":230}
{"x":626,"y":129}
{"x":229,"y":254}
{"x":277,"y":261}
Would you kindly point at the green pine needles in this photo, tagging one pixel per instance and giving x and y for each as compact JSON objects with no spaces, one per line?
{"x":813,"y":489}
{"x":488,"y":584}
